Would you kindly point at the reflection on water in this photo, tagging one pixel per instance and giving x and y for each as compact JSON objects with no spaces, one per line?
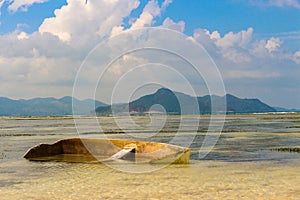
{"x":240,"y":165}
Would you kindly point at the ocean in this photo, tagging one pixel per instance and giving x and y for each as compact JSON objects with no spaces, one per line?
{"x":239,"y":165}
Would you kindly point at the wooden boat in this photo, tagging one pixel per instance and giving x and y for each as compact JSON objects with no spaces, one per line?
{"x":107,"y":150}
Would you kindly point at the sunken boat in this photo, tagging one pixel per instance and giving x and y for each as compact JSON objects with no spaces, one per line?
{"x":108,"y":150}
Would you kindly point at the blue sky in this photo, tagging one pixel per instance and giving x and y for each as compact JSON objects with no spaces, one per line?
{"x":33,"y":17}
{"x":255,"y":43}
{"x":224,"y":16}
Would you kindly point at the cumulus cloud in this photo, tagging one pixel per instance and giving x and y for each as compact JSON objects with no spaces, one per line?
{"x":80,"y":22}
{"x":296,"y":57}
{"x":147,"y":17}
{"x":232,"y":46}
{"x":241,"y":56}
{"x":273,"y":44}
{"x":149,"y":13}
{"x":22,"y":36}
{"x":258,"y":49}
{"x":37,"y":58}
{"x":124,"y":64}
{"x":231,"y":39}
{"x":215,"y":35}
{"x":169,"y":23}
{"x":203,"y":36}
{"x":18,"y":44}
{"x":30,"y":63}
{"x":241,"y":47}
{"x":116,"y":30}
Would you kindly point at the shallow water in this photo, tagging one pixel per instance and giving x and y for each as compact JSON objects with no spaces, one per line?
{"x":240,"y":166}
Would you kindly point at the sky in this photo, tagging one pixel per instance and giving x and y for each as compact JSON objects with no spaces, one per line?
{"x":254,"y":43}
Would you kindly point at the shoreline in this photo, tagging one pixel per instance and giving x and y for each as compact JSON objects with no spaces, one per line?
{"x":146,"y":115}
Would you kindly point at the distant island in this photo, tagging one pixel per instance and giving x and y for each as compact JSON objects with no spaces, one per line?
{"x":166,"y":98}
{"x":47,"y":106}
{"x":189,"y":105}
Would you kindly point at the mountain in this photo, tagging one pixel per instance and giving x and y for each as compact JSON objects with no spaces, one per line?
{"x":47,"y":106}
{"x":180,"y":103}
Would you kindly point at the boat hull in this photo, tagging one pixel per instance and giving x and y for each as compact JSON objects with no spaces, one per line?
{"x":101,"y":150}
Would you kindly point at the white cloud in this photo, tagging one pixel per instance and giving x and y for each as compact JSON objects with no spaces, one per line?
{"x":169,"y":23}
{"x":236,"y":55}
{"x":145,"y":19}
{"x":204,"y":38}
{"x":150,"y":11}
{"x":273,"y":44}
{"x":215,"y":35}
{"x":166,"y":3}
{"x":22,"y":5}
{"x":37,"y":69}
{"x":1,"y":4}
{"x":242,"y":47}
{"x":231,"y":39}
{"x":293,"y":35}
{"x":80,"y":22}
{"x":22,"y":36}
{"x":241,"y":56}
{"x":124,"y":64}
{"x":296,"y":57}
{"x":15,"y":5}
{"x":116,"y":30}
{"x":283,"y":3}
{"x":259,"y":49}
{"x":31,"y":64}
{"x":232,"y":46}
{"x":238,"y":73}
{"x":13,"y":46}
{"x":277,"y":3}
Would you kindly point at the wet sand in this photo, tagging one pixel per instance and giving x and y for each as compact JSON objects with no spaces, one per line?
{"x":199,"y":180}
